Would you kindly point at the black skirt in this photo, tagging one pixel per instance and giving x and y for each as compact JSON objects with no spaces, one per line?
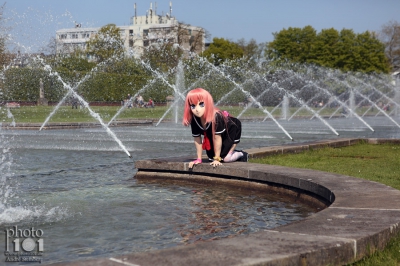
{"x":229,"y":137}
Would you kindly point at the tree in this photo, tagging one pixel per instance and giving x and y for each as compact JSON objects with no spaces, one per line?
{"x":251,"y":50}
{"x":359,"y":52}
{"x":74,"y":62}
{"x":390,"y":36}
{"x":371,"y":54}
{"x":221,"y":50}
{"x":295,"y":44}
{"x":106,"y":44}
{"x":326,"y":48}
{"x":51,"y":47}
{"x":5,"y":57}
{"x":113,"y":82}
{"x":344,"y":50}
{"x":162,"y":56}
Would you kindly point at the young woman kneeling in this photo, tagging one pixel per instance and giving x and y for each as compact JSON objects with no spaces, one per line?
{"x":220,"y":130}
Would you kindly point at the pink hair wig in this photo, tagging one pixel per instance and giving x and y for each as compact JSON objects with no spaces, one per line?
{"x":194,"y":97}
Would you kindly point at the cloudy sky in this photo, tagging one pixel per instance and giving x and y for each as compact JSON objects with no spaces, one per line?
{"x":34,"y":22}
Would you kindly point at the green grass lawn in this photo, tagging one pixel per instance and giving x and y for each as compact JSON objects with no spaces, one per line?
{"x":37,"y":114}
{"x":379,"y":163}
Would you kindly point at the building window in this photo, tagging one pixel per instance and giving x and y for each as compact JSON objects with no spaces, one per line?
{"x":130,"y":43}
{"x":145,"y":32}
{"x":130,"y":32}
{"x":63,"y":36}
{"x":146,"y":43}
{"x":74,"y":36}
{"x":85,"y":35}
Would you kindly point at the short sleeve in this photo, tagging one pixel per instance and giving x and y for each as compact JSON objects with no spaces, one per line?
{"x":196,"y":130}
{"x":219,"y":124}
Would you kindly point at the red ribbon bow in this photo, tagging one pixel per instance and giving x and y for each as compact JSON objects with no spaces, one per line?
{"x":206,"y":142}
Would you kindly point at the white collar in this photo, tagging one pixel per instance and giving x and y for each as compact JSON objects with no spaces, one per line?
{"x":199,"y":124}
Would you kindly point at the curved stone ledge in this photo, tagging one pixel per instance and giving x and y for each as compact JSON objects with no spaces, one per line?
{"x":361,"y":216}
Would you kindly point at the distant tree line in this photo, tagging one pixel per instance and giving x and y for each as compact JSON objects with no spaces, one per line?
{"x":342,"y":50}
{"x":345,"y":50}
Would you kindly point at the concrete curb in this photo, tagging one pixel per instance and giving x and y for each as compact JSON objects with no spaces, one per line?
{"x":361,"y":216}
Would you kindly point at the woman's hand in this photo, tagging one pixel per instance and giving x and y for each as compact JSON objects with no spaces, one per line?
{"x":197,"y":161}
{"x":215,"y":163}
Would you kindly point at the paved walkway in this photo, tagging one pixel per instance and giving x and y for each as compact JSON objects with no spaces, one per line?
{"x":357,"y":216}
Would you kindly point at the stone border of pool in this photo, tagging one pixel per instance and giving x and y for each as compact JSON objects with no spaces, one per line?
{"x":362,"y":217}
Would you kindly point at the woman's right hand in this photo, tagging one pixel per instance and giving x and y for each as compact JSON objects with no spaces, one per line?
{"x":197,"y":161}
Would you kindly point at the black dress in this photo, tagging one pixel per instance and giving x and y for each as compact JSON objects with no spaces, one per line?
{"x":230,"y":132}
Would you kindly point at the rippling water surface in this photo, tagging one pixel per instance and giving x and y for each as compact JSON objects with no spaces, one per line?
{"x":77,"y":186}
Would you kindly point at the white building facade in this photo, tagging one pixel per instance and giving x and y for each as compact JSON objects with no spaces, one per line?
{"x":142,"y":32}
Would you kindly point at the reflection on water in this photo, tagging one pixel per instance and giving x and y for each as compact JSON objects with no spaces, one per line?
{"x":77,"y":186}
{"x":219,"y":211}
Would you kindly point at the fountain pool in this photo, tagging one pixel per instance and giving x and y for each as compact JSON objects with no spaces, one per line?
{"x":78,"y":188}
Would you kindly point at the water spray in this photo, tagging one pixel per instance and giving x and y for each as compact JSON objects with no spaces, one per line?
{"x":86,"y":105}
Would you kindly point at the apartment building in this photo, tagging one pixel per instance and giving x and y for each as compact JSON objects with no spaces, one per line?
{"x":142,"y":32}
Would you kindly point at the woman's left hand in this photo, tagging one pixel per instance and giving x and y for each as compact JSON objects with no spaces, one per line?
{"x":215,"y":163}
